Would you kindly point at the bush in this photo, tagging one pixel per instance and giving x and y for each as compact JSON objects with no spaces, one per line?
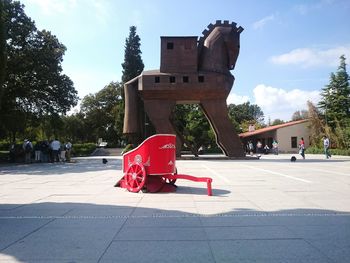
{"x":316,"y":150}
{"x":83,"y":149}
{"x":4,"y":145}
{"x":127,"y":148}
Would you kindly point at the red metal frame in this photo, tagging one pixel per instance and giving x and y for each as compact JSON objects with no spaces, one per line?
{"x":152,"y":166}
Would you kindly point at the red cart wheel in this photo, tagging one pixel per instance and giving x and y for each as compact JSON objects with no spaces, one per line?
{"x":135,"y":177}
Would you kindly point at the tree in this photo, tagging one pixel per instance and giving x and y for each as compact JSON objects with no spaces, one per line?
{"x":193,"y":127}
{"x":2,"y":47}
{"x":300,"y":115}
{"x":34,"y":84}
{"x":99,"y":111}
{"x":277,"y":121}
{"x":317,"y":127}
{"x":335,"y":97}
{"x":75,"y":128}
{"x":133,"y":64}
{"x":245,"y":113}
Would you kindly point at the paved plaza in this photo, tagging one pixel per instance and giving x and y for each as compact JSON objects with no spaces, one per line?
{"x":268,"y":210}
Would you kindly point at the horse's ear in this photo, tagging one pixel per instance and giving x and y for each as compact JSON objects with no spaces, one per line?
{"x":240,"y":29}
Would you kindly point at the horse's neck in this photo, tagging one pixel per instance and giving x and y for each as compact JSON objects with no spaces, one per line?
{"x":213,"y":58}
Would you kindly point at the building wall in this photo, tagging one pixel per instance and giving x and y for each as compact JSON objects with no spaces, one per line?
{"x":284,"y":135}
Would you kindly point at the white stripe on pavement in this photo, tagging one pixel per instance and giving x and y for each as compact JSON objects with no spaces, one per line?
{"x":276,"y":173}
{"x":216,"y":173}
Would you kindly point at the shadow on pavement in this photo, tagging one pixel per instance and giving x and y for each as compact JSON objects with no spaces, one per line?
{"x":87,"y":232}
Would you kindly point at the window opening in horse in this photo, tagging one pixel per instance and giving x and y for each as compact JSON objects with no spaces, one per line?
{"x":172,"y":79}
{"x":185,"y":79}
{"x":170,"y":45}
{"x":156,"y":79}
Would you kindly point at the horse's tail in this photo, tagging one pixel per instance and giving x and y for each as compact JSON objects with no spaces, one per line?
{"x":131,"y":117}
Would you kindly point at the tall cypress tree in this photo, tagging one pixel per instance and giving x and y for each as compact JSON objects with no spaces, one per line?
{"x":133,"y":64}
{"x":335,"y":100}
{"x":2,"y":48}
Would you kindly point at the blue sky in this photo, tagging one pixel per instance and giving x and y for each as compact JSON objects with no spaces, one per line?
{"x":288,"y":48}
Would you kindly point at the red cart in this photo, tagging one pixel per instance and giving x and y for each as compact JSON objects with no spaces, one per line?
{"x":151,"y":166}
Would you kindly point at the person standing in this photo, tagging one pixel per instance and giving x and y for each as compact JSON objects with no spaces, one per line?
{"x":258,"y":148}
{"x":326,"y":146}
{"x":68,"y":147}
{"x":250,"y":147}
{"x":56,"y":147}
{"x":37,"y":151}
{"x":275,"y":147}
{"x":302,"y":147}
{"x":27,"y":147}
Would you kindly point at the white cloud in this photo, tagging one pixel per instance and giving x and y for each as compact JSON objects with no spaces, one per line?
{"x":93,"y":8}
{"x":308,"y":57}
{"x":262,"y":22}
{"x":304,"y":9}
{"x":236,"y":99}
{"x":49,"y":7}
{"x":281,"y":104}
{"x":101,"y":11}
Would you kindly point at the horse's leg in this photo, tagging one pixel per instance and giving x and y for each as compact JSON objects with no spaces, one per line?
{"x":132,"y":121}
{"x":159,"y":112}
{"x":131,"y":117}
{"x":226,"y":137}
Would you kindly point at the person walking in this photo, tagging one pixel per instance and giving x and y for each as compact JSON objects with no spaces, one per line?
{"x":326,"y":147}
{"x":302,"y":147}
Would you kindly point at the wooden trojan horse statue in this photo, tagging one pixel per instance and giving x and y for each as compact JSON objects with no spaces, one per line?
{"x":191,"y":71}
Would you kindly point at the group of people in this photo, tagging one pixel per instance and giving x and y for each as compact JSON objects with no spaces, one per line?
{"x":47,"y":151}
{"x":260,"y":149}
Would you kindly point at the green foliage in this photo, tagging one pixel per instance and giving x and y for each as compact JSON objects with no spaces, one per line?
{"x":335,"y":106}
{"x":335,"y":101}
{"x":83,"y":149}
{"x":196,"y":131}
{"x":316,"y":127}
{"x":128,"y":148}
{"x":2,"y":48}
{"x":318,"y":150}
{"x":99,"y":114}
{"x":4,"y":145}
{"x":246,"y":112}
{"x":34,"y":85}
{"x":300,"y":115}
{"x":277,"y":122}
{"x":133,"y":64}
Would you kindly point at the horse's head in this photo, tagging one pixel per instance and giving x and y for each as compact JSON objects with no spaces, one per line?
{"x":219,"y":47}
{"x":232,"y":46}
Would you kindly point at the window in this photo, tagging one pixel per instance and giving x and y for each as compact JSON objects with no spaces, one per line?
{"x":294,"y":142}
{"x":170,"y":45}
{"x":172,"y":79}
{"x":185,"y":79}
{"x":157,"y":79}
{"x":200,"y":78}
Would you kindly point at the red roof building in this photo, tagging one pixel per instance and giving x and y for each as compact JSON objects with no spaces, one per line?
{"x":287,"y":135}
